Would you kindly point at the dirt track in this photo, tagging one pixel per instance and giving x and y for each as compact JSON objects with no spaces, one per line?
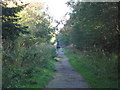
{"x":65,"y":76}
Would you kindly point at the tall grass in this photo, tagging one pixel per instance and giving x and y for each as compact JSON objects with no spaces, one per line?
{"x":99,"y":70}
{"x":27,"y":67}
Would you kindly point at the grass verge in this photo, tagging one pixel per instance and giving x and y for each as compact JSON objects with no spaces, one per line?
{"x":98,"y":72}
{"x":41,"y":77}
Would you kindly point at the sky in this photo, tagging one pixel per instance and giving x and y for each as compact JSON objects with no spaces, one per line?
{"x":57,"y":8}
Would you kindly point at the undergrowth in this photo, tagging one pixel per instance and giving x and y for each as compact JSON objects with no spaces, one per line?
{"x":28,"y":67}
{"x":98,"y":70}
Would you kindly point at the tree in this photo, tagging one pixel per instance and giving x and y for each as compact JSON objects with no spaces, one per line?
{"x":35,"y":16}
{"x":93,"y":25}
{"x":10,"y":28}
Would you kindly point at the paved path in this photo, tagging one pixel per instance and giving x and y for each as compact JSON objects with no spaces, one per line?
{"x":65,"y":76}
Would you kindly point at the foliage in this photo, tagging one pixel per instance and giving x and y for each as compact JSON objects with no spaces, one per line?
{"x":92,"y":25}
{"x":26,"y":63}
{"x":41,"y":78}
{"x":11,"y":29}
{"x":26,"y":48}
{"x":98,"y":72}
{"x":93,"y":30}
{"x":38,"y":21}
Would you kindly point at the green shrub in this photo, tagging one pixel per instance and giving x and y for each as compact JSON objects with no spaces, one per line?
{"x":19,"y":65}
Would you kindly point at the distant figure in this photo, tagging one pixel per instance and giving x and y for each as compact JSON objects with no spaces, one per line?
{"x":58,"y":45}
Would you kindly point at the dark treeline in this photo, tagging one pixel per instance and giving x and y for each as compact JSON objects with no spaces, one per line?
{"x":93,"y":26}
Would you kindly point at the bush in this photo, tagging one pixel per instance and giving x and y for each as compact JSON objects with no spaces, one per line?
{"x":20,"y":64}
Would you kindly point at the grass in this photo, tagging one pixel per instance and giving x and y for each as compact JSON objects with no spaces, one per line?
{"x":98,"y":72}
{"x":41,"y":78}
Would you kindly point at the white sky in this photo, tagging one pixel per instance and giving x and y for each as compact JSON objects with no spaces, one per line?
{"x":57,"y":8}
